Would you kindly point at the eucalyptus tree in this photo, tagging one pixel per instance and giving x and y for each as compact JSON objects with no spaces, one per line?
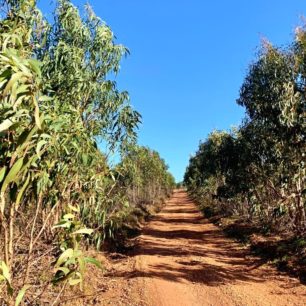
{"x":262,"y":164}
{"x":78,"y":59}
{"x":273,"y":94}
{"x":144,"y":174}
{"x":57,"y":102}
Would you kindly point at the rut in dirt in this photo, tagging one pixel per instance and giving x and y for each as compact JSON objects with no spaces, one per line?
{"x":182,"y":259}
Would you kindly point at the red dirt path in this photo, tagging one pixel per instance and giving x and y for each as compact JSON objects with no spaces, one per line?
{"x":182,"y":259}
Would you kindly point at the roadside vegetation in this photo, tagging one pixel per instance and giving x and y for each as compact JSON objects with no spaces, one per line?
{"x":253,"y":177}
{"x":58,"y":193}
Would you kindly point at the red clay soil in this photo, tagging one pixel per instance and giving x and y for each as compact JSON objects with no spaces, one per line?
{"x":182,"y":259}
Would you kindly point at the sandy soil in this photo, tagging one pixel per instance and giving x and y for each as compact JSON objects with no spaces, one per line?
{"x":182,"y":259}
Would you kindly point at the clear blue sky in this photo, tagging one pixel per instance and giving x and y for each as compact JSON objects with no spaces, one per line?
{"x":188,"y":60}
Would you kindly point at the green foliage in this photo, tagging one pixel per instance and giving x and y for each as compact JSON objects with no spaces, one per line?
{"x":5,"y":276}
{"x":137,"y":186}
{"x":58,"y":100}
{"x":21,"y":294}
{"x":258,"y":170}
{"x":78,"y":57}
{"x":145,"y":176}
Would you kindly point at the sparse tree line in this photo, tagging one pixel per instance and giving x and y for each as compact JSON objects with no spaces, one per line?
{"x":257,"y":171}
{"x":57,"y":190}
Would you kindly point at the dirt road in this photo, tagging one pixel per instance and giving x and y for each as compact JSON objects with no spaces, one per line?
{"x":184,"y":260}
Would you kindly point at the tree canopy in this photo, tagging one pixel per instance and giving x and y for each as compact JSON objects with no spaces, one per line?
{"x":258,"y":169}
